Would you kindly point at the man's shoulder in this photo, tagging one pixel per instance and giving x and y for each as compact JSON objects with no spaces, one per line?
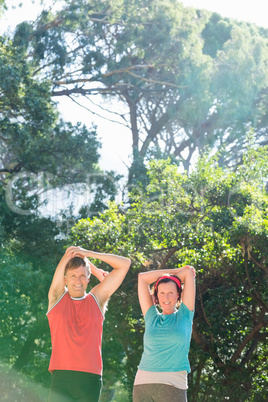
{"x":55,"y":302}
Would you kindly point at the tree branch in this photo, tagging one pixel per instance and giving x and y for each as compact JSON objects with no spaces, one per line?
{"x":167,"y":257}
{"x":247,"y":339}
{"x":260,"y":265}
{"x":15,"y":169}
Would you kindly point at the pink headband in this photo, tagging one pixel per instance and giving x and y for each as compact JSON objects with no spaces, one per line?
{"x":172,"y":278}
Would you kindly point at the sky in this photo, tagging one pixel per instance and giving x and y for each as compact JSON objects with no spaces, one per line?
{"x":254,"y":11}
{"x":241,"y":10}
{"x":116,"y":149}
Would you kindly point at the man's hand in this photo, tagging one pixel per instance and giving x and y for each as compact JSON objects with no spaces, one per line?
{"x":76,"y":251}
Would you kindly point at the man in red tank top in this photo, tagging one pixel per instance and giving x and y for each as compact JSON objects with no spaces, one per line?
{"x":75,"y":319}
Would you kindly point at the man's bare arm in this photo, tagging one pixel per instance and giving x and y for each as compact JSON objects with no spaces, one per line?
{"x":113,"y":280}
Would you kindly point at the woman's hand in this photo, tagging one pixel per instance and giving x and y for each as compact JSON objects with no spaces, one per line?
{"x":179,"y":270}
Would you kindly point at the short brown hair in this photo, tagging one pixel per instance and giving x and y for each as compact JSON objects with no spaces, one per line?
{"x":77,"y":262}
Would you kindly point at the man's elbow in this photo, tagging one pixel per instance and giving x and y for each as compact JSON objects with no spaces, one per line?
{"x":128,"y":263}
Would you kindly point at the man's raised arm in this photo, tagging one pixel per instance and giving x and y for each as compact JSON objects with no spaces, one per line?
{"x":111,"y":282}
{"x":58,"y":284}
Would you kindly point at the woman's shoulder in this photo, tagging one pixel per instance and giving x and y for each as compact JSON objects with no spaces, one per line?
{"x":151,"y":312}
{"x":184,"y":310}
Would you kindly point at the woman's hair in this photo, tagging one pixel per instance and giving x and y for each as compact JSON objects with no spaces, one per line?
{"x":166,"y":279}
{"x":77,"y":262}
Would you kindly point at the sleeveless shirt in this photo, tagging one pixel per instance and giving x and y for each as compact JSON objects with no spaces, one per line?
{"x":76,"y":334}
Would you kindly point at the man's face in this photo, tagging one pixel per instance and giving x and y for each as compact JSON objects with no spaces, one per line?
{"x":77,"y":280}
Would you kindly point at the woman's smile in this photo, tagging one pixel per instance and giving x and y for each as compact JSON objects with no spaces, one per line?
{"x":168,"y":296}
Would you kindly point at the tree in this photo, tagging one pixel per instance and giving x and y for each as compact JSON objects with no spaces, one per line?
{"x":195,"y":91}
{"x":185,"y":78}
{"x":32,"y":137}
{"x":216,"y":220}
{"x":39,"y":152}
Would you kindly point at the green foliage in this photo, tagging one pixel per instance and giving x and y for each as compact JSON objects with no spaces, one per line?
{"x":24,"y":330}
{"x":216,"y":33}
{"x":188,"y":79}
{"x":39,"y":152}
{"x":2,"y":6}
{"x":206,"y":86}
{"x":33,"y":139}
{"x":216,"y":220}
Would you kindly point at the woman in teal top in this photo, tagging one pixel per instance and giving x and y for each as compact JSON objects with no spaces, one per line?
{"x":162,"y":373}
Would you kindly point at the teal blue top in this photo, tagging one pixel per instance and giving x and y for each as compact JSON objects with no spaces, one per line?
{"x":167,"y":340}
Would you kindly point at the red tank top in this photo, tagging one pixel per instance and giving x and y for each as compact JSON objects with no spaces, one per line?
{"x":76,"y":334}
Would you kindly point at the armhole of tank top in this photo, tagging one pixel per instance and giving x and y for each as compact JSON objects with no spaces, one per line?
{"x":57,"y":301}
{"x":94,"y":297}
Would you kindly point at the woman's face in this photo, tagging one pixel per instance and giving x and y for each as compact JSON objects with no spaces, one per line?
{"x":167,"y":296}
